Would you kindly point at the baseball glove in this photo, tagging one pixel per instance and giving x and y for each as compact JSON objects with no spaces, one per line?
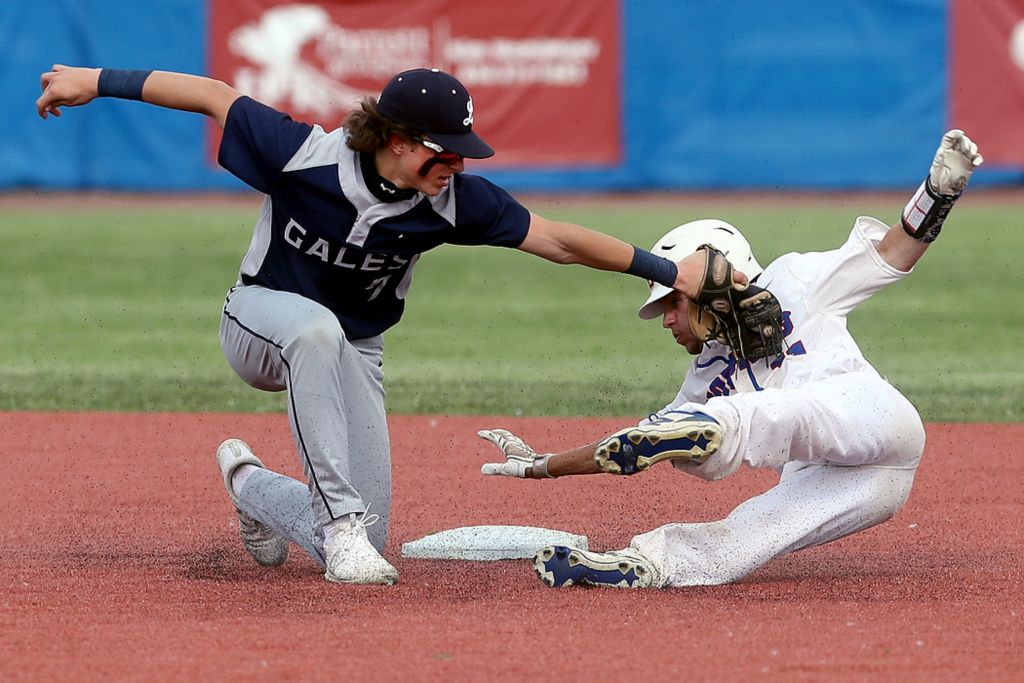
{"x":746,"y":317}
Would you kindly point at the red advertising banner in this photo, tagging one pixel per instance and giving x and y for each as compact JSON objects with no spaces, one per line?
{"x":544,"y":74}
{"x":987,"y":76}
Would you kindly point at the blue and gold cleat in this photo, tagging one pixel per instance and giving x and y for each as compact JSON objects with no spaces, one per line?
{"x":673,"y":436}
{"x":560,"y":566}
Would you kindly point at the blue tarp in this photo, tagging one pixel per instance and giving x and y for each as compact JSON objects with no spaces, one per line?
{"x":744,"y":94}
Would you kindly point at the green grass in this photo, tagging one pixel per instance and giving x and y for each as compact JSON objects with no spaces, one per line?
{"x":118,"y":310}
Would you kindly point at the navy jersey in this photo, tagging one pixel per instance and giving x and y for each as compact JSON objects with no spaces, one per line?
{"x":324,"y":235}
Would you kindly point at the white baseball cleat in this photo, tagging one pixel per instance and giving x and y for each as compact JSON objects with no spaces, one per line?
{"x":267,"y":547}
{"x":351,"y":558}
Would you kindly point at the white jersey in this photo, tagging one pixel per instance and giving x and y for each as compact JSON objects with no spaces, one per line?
{"x":845,"y":442}
{"x":817,"y":291}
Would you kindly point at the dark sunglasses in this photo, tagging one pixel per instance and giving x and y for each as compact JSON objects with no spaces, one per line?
{"x":441,"y":154}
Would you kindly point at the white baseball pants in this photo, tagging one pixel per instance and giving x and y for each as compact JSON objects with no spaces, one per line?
{"x":847,"y":447}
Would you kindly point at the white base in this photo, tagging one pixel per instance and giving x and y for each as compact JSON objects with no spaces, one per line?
{"x":492,"y":542}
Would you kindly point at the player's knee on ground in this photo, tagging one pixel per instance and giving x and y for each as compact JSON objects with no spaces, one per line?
{"x":842,"y":500}
{"x":813,"y":505}
{"x":887,"y":495}
{"x":907,"y":441}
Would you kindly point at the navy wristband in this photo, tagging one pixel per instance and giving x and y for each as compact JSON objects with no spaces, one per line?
{"x":653,"y":268}
{"x":122,"y":83}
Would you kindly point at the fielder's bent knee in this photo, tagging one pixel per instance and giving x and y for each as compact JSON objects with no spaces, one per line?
{"x":321,"y":333}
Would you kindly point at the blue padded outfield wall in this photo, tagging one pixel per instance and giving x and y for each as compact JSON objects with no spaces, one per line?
{"x":744,"y":94}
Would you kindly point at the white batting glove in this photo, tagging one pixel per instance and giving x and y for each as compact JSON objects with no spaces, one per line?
{"x":954,"y":163}
{"x":518,"y":456}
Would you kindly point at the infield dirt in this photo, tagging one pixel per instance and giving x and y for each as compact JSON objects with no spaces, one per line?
{"x":120,"y":561}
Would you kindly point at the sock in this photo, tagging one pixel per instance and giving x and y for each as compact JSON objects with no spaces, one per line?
{"x":282,"y":503}
{"x":240,"y":476}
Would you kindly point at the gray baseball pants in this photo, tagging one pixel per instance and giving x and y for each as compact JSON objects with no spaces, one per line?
{"x":279,"y":341}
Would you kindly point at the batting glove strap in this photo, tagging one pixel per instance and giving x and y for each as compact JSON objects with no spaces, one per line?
{"x":540,"y":467}
{"x":925,"y":212}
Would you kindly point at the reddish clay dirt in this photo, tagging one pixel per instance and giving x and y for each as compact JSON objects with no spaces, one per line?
{"x":119,"y":560}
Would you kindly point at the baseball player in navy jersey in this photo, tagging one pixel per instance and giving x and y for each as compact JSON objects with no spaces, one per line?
{"x":845,"y":442}
{"x":347,"y":214}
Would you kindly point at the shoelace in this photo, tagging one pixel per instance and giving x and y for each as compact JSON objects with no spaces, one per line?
{"x":356,"y":522}
{"x":363,"y":521}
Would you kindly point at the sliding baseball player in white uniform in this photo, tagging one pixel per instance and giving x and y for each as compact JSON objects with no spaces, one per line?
{"x":846,"y":442}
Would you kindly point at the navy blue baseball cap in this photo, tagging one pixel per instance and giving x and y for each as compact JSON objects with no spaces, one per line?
{"x":437,"y":105}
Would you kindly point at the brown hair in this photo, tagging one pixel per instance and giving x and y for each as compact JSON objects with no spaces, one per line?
{"x":369,"y":131}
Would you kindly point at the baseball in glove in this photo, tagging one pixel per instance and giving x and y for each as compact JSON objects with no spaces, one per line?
{"x":746,"y":317}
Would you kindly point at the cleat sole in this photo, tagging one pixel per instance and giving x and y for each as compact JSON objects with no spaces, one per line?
{"x":562,"y":567}
{"x":639,"y":448}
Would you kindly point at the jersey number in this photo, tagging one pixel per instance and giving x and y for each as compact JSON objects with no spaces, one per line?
{"x":377,"y":285}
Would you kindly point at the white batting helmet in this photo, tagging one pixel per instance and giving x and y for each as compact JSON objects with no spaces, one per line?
{"x":682,"y":241}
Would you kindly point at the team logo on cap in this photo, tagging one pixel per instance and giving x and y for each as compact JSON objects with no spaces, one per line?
{"x":468,"y":121}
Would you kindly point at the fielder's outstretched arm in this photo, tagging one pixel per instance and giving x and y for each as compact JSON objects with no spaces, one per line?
{"x":68,"y":86}
{"x":567,"y":243}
